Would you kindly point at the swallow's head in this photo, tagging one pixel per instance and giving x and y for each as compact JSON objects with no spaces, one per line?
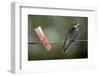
{"x":76,"y":25}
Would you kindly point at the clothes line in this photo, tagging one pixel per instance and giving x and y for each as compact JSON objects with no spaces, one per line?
{"x":57,"y":42}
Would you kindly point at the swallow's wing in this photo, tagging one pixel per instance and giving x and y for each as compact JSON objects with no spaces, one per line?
{"x":67,"y":42}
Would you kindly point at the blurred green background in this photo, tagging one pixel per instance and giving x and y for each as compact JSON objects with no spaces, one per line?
{"x":55,"y":28}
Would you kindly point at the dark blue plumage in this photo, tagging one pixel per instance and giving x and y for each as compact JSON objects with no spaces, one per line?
{"x":70,"y":37}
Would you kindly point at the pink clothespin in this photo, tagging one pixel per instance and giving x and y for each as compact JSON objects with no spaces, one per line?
{"x":43,"y":38}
